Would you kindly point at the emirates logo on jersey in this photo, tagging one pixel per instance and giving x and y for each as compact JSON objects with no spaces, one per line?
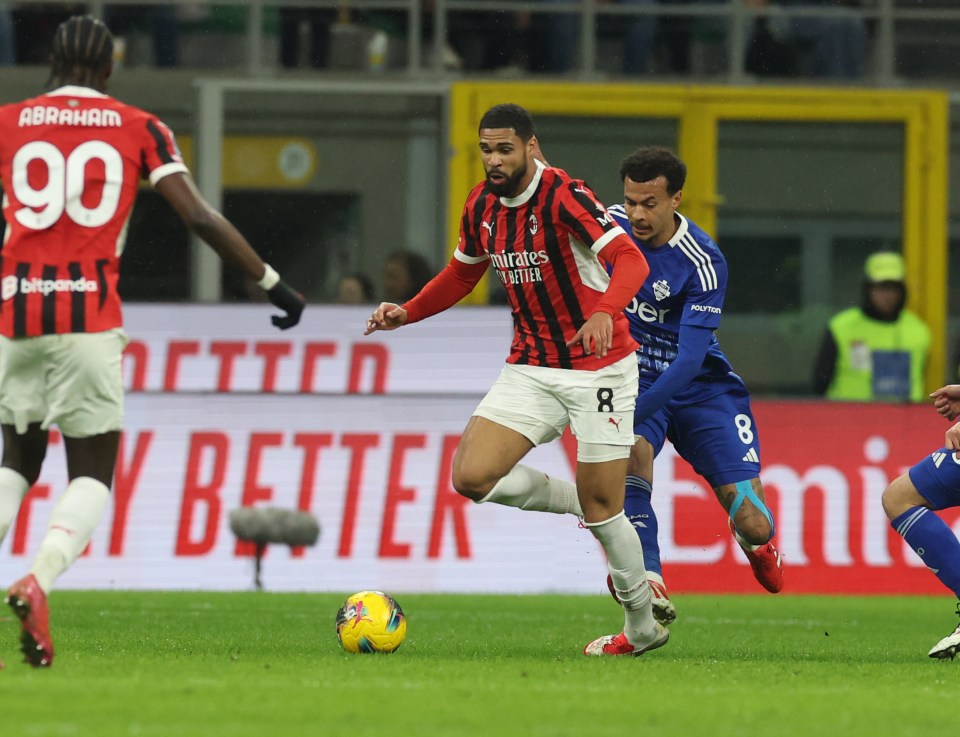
{"x":661,"y":290}
{"x":534,"y":224}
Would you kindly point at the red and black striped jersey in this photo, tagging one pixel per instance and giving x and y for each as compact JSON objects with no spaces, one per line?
{"x":543,"y":246}
{"x":70,"y":163}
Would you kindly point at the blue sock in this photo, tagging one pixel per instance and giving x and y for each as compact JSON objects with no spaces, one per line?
{"x":934,"y":541}
{"x":639,"y":511}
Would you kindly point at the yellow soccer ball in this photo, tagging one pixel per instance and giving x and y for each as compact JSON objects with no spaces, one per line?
{"x":371,"y":622}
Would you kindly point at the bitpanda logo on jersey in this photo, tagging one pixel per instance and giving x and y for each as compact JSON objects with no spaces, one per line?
{"x":11,"y":285}
{"x":661,"y":290}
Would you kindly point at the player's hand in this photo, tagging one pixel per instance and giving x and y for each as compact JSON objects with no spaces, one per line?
{"x":946,"y":400}
{"x":290,"y":301}
{"x":596,"y":334}
{"x":388,"y":316}
{"x":951,"y":440}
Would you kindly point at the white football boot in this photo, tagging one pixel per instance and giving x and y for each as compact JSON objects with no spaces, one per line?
{"x":949,"y":646}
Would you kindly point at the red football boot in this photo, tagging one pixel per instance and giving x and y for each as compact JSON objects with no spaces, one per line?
{"x":620,"y":645}
{"x":29,"y":603}
{"x":766,"y":563}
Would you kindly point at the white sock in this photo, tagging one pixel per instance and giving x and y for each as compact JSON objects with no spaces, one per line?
{"x":625,"y":563}
{"x":71,"y":527}
{"x":13,"y":487}
{"x":530,"y":489}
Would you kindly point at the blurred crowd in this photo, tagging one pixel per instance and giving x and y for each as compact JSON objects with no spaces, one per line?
{"x":404,"y":274}
{"x":502,"y":42}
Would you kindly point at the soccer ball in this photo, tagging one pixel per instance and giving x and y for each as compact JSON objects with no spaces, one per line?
{"x":371,"y":622}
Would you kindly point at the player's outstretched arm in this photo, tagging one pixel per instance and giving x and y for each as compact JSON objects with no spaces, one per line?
{"x":946,"y":400}
{"x":452,"y":284}
{"x":220,"y":234}
{"x":388,"y":316}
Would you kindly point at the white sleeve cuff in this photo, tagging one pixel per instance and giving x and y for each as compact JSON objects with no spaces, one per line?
{"x":270,"y":278}
{"x":165,"y":170}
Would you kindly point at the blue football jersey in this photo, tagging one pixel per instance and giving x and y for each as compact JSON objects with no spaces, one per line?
{"x":686,"y":286}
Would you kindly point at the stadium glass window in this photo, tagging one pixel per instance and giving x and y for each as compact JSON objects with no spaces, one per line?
{"x":315,"y":236}
{"x":156,"y":260}
{"x":764,"y":274}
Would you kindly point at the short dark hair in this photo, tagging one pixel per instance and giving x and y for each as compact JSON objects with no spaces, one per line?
{"x":82,"y":49}
{"x":509,"y":115}
{"x":649,"y":162}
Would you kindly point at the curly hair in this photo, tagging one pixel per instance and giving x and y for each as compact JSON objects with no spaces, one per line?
{"x":647,"y":163}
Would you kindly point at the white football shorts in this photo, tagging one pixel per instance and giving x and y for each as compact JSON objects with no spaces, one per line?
{"x":73,"y":381}
{"x":540,"y":402}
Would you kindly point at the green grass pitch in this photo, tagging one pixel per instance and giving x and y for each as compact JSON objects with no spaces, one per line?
{"x":211,"y":664}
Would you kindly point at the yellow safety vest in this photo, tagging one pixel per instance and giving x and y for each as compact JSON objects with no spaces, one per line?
{"x":863,"y":343}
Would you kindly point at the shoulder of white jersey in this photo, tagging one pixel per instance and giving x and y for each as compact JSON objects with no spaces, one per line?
{"x":702,"y":253}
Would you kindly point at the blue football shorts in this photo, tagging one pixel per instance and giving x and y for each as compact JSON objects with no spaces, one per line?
{"x":712,"y":428}
{"x":937,"y":478}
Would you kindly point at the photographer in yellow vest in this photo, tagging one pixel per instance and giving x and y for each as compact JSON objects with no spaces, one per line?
{"x":877,"y":351}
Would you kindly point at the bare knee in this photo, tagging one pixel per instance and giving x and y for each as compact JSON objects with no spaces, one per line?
{"x":471,"y":479}
{"x":754,"y":527}
{"x":900,"y":496}
{"x":752,"y":519}
{"x":25,"y":453}
{"x":640,"y":462}
{"x":94,"y":456}
{"x":471,"y":486}
{"x":486,"y":453}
